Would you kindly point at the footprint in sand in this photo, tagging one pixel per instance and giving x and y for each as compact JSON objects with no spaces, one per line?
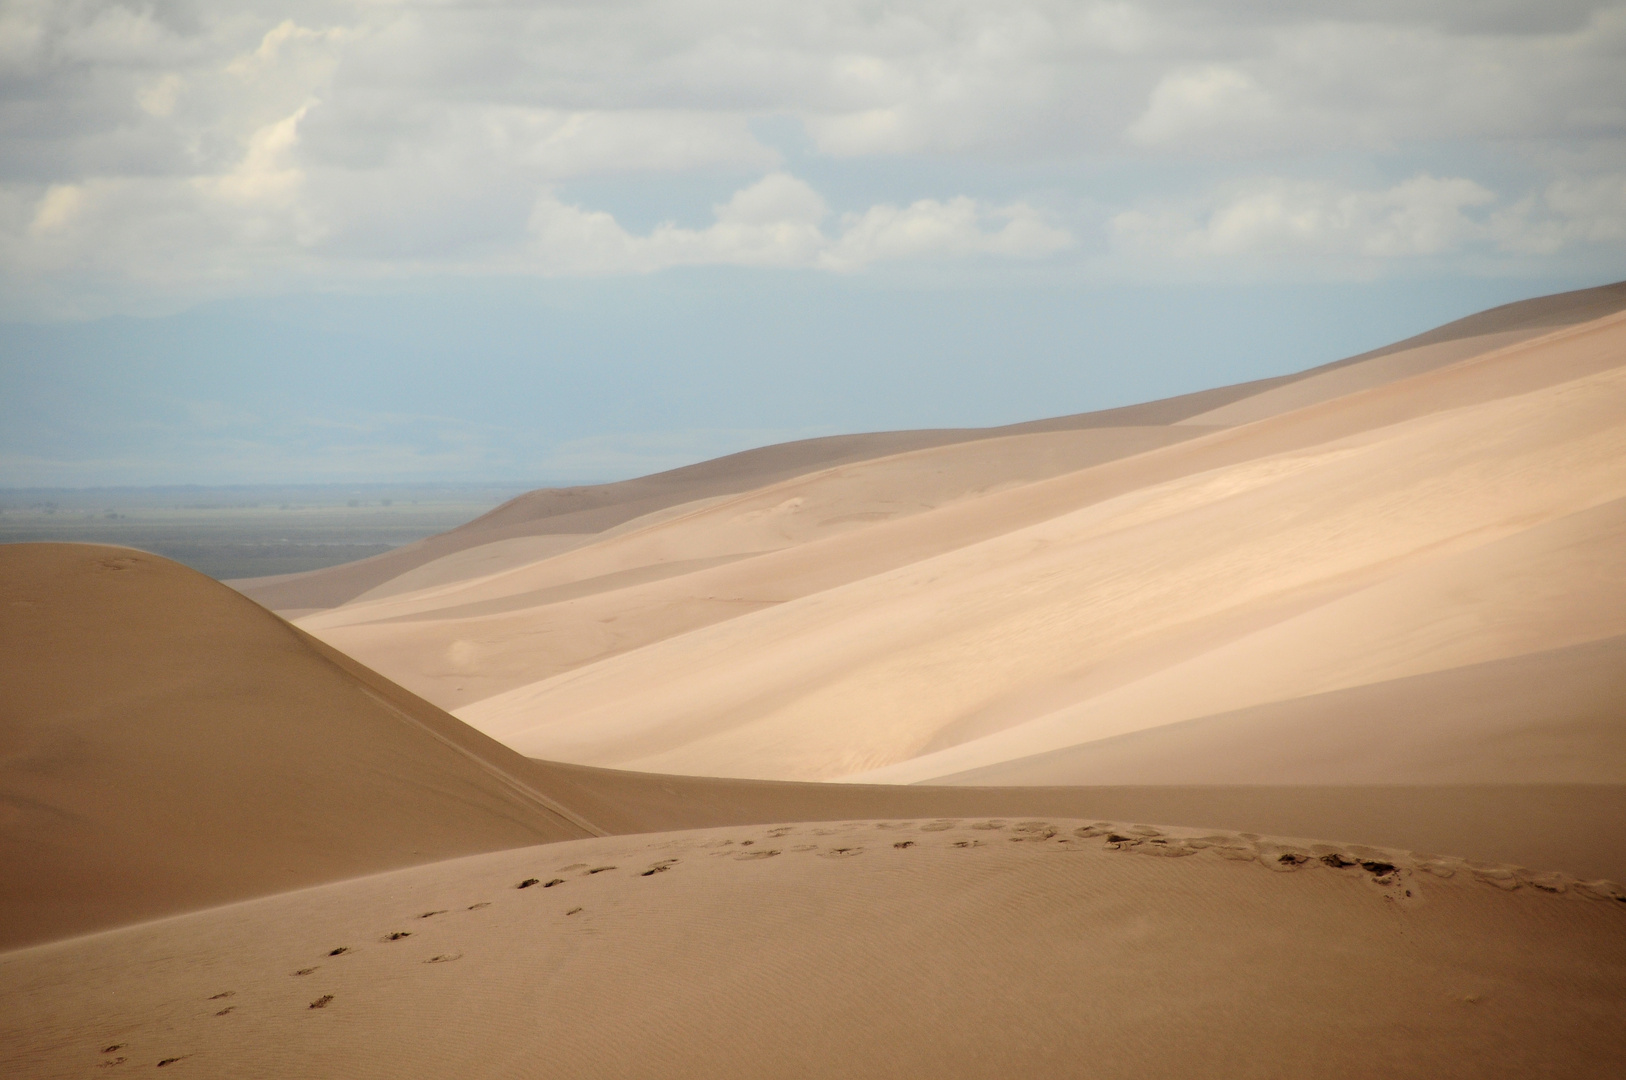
{"x":173,"y":1060}
{"x":843,"y":852}
{"x":939,"y":826}
{"x":444,"y":958}
{"x":477,"y":907}
{"x":901,"y":844}
{"x":573,"y":911}
{"x":600,"y":869}
{"x":658,"y":868}
{"x":397,"y":935}
{"x":1033,"y":831}
{"x":528,"y":882}
{"x":216,"y":997}
{"x":572,"y":866}
{"x":304,"y":971}
{"x":321,"y":1002}
{"x":340,"y":951}
{"x":550,"y":883}
{"x":227,"y":1009}
{"x":428,"y":914}
{"x":774,"y":834}
{"x":994,"y":824}
{"x":110,"y":1064}
{"x":766,"y":853}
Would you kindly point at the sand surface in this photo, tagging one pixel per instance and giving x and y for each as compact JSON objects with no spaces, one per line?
{"x":1381,"y":603}
{"x":943,"y":948}
{"x":167,"y":745}
{"x":1455,"y":517}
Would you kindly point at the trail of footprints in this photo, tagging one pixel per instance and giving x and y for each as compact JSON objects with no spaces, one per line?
{"x":1391,"y":871}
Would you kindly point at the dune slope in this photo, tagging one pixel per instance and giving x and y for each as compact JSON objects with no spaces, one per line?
{"x":863,"y":949}
{"x":1454,"y":517}
{"x":166,"y":745}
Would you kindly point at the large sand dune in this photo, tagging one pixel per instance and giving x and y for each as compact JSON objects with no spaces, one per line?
{"x":1454,"y":517}
{"x":1381,"y":603}
{"x":555,"y":519}
{"x":167,"y":745}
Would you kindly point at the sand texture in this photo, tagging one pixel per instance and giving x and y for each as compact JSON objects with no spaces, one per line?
{"x":1456,"y":517}
{"x":1090,"y":685}
{"x":167,"y":745}
{"x":943,"y":948}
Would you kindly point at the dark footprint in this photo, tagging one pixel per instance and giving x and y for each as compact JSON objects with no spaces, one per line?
{"x":227,"y":1009}
{"x":171,"y":1061}
{"x":444,"y":959}
{"x":216,"y":997}
{"x":116,"y":1047}
{"x":551,"y":884}
{"x":528,"y":882}
{"x":600,"y":869}
{"x":904,"y":843}
{"x":340,"y":951}
{"x":842,"y":852}
{"x":1288,"y":858}
{"x":477,"y":907}
{"x":746,"y":843}
{"x":774,"y":834}
{"x":304,"y":971}
{"x":1337,"y":862}
{"x":321,"y":1002}
{"x":397,"y":935}
{"x":1377,"y":869}
{"x":653,"y":870}
{"x":427,"y":914}
{"x":573,"y":911}
{"x":110,"y":1064}
{"x":766,"y":853}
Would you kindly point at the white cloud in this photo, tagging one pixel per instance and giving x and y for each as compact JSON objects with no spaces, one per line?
{"x":1292,"y":221}
{"x":777,"y":222}
{"x":243,"y":143}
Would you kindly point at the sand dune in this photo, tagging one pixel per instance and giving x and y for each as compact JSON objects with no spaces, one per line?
{"x":1381,"y":603}
{"x":569,"y":516}
{"x":168,"y":745}
{"x":938,"y":948}
{"x":1319,"y":530}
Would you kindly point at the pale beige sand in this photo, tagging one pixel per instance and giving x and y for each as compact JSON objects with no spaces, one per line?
{"x":1546,"y":717}
{"x":475,"y":638}
{"x":166,"y":745}
{"x":592,"y":510}
{"x":866,"y":949}
{"x":1450,"y":518}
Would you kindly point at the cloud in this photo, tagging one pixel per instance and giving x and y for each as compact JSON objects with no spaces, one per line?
{"x":1290,"y":222}
{"x":778,"y":222}
{"x":186,"y":151}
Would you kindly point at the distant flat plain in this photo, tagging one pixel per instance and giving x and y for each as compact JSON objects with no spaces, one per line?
{"x":248,"y":531}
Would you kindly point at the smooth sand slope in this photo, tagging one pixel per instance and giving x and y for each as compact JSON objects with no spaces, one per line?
{"x":970,"y":948}
{"x":549,"y":521}
{"x":166,"y":745}
{"x":1458,"y":516}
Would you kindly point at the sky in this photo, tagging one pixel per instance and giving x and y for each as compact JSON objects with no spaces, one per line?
{"x":562,"y":242}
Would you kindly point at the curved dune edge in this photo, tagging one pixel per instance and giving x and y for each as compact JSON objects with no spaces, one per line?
{"x":946,"y":948}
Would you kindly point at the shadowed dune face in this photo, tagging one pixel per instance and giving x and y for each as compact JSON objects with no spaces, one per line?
{"x":943,"y":948}
{"x":167,"y":745}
